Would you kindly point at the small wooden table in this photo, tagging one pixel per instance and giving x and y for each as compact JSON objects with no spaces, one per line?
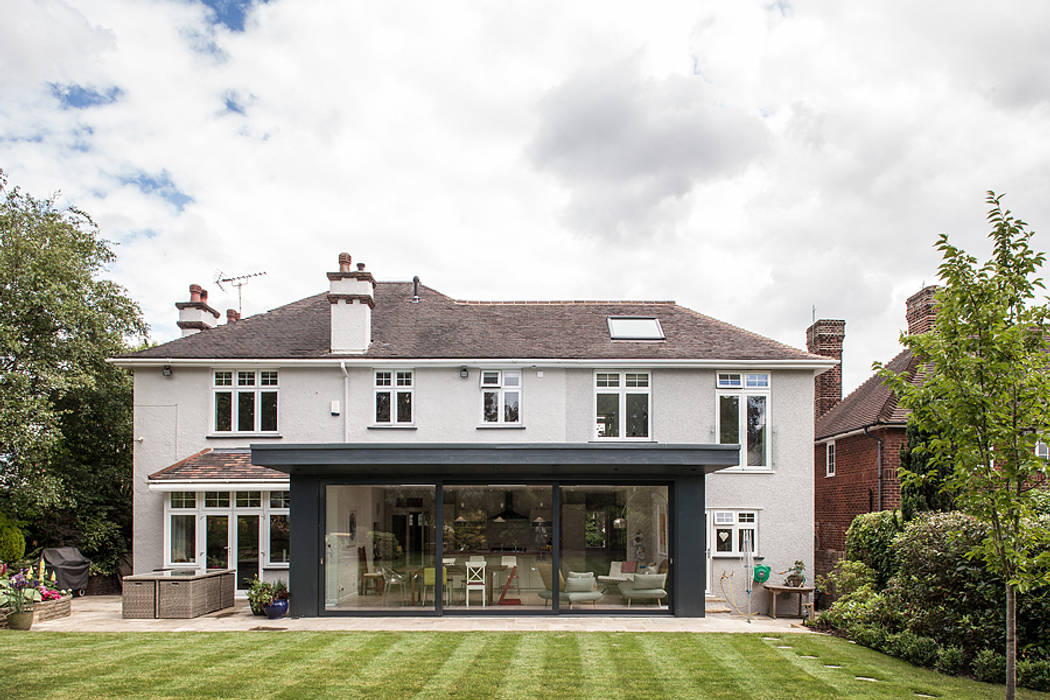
{"x":774,"y":590}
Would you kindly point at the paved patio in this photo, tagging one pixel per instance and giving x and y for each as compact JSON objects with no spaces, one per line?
{"x":102,"y":614}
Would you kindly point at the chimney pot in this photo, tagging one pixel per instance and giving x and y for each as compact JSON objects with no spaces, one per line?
{"x":344,"y":262}
{"x":360,"y":267}
{"x":232,"y":315}
{"x":195,"y":293}
{"x":204,"y":296}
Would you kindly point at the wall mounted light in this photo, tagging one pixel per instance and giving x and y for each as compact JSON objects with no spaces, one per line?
{"x":167,"y":371}
{"x":464,"y":373}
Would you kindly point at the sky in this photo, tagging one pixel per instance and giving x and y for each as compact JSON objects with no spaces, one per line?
{"x":756,"y":161}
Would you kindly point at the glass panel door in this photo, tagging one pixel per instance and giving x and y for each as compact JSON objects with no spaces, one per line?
{"x":217,"y":541}
{"x":247,"y":549}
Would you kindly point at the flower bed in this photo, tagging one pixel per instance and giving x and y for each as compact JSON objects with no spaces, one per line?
{"x":45,"y":610}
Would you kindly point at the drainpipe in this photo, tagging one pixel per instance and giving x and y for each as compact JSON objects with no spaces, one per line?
{"x":346,"y":399}
{"x":878,"y":460}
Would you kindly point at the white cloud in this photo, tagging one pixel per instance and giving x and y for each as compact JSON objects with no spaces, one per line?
{"x":750,"y":160}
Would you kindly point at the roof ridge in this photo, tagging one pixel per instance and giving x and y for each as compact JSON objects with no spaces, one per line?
{"x":564,"y":302}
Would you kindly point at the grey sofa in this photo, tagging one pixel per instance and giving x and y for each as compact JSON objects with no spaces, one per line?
{"x":645,"y":587}
{"x":572,"y":590}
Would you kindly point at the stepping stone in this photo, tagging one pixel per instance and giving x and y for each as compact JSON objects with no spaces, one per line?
{"x":771,"y":639}
{"x":924,"y":695}
{"x":832,"y":666}
{"x":808,"y":656}
{"x":866,"y":678}
{"x":784,"y":647}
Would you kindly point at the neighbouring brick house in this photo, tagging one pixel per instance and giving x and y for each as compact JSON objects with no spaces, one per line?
{"x":858,"y":439}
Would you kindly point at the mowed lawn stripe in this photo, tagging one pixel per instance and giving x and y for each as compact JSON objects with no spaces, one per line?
{"x":633,"y":666}
{"x":521,"y":679}
{"x":562,"y":666}
{"x":456,"y":675}
{"x":483,"y":678}
{"x":401,"y":669}
{"x":595,"y":652}
{"x":330,"y":670}
{"x":685,"y":669}
{"x":760,"y":672}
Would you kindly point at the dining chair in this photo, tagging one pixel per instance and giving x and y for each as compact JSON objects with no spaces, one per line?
{"x":476,"y":581}
{"x":390,"y":579}
{"x":430,"y":580}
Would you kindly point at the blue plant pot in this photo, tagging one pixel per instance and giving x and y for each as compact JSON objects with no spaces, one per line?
{"x":276,"y":609}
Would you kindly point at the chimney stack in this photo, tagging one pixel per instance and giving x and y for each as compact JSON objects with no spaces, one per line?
{"x":195,"y":315}
{"x":232,"y":315}
{"x":922,"y":310}
{"x":825,"y":338}
{"x":352,"y":298}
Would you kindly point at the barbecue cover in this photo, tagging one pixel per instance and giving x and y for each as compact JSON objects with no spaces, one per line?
{"x":69,"y":565}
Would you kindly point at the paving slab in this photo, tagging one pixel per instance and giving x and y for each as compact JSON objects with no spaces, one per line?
{"x":102,"y":614}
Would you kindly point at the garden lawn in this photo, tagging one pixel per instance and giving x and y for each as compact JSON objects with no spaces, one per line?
{"x":602,"y":665}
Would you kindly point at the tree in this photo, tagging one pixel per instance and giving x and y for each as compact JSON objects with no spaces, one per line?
{"x":65,"y":422}
{"x":984,"y":402}
{"x":922,"y":483}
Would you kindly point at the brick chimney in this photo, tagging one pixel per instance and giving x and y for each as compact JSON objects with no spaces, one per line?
{"x":825,"y":338}
{"x":232,"y":315}
{"x":922,"y":310}
{"x":195,"y":315}
{"x":352,"y":298}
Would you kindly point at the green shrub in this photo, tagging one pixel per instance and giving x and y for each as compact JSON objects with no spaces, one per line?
{"x":1034,"y":674}
{"x":989,"y":666}
{"x":12,"y":541}
{"x":869,"y":540}
{"x":846,"y":577}
{"x":921,"y":651}
{"x":868,"y":636}
{"x":951,"y":660}
{"x":861,"y":608}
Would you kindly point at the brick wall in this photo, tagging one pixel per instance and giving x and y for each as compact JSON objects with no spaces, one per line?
{"x":825,"y":337}
{"x":854,"y":488}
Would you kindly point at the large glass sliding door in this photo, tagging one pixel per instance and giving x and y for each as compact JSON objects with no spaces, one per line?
{"x":379,"y":547}
{"x":615,"y":547}
{"x":497,"y":546}
{"x":504,"y":547}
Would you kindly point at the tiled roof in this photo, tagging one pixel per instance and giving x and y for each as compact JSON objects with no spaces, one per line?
{"x":217,"y":464}
{"x":869,"y":404}
{"x":441,"y":327}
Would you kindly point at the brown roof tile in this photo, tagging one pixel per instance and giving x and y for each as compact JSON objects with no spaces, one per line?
{"x":217,"y":464}
{"x":869,"y":404}
{"x":441,"y":327}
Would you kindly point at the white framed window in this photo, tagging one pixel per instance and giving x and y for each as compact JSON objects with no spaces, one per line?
{"x":1042,"y":450}
{"x":244,"y":401}
{"x":501,"y":396}
{"x":199,"y":532}
{"x":622,"y":405}
{"x":733,"y":532}
{"x":742,"y":416}
{"x":393,"y":396}
{"x":829,"y":459}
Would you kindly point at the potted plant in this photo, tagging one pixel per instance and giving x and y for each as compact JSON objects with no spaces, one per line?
{"x":17,"y":594}
{"x":259,"y":594}
{"x":796,"y":575}
{"x":278,"y":605}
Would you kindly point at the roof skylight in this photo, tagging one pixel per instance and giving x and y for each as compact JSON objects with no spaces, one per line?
{"x":635,"y":328}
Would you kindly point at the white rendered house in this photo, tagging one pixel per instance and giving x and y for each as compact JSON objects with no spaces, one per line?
{"x":388,"y":448}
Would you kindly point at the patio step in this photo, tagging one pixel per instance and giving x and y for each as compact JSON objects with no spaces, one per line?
{"x":716,"y":604}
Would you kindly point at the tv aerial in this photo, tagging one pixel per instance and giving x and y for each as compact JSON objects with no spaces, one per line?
{"x":237,"y":281}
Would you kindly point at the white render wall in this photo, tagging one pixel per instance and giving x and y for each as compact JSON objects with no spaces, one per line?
{"x":173,"y":414}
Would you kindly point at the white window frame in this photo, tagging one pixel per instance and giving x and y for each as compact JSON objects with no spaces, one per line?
{"x":654,"y":333}
{"x":501,"y":388}
{"x":234,"y":388}
{"x":200,"y":512}
{"x":829,"y":458}
{"x":622,"y":390}
{"x":735,"y":526}
{"x":1042,"y":450}
{"x":393,"y":388}
{"x":743,"y":383}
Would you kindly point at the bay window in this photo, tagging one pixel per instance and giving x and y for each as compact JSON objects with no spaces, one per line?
{"x":742,"y":415}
